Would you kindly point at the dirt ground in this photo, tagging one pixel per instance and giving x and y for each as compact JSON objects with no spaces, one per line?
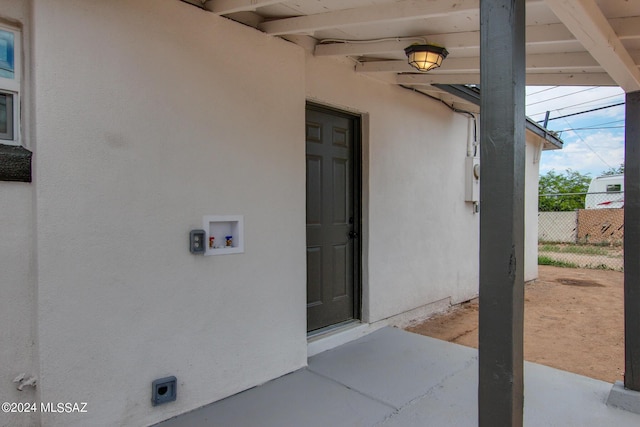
{"x":574,"y":321}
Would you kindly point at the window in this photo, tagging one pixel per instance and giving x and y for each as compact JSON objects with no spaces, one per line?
{"x":15,"y":160}
{"x":9,"y":85}
{"x":613,"y":188}
{"x":7,"y":55}
{"x":6,"y":116}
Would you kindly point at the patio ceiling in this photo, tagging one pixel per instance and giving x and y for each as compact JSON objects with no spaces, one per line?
{"x":569,"y":42}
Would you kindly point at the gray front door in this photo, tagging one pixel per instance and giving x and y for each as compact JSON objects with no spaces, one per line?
{"x":333,"y":253}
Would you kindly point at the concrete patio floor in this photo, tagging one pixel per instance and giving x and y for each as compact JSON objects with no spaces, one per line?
{"x":395,"y":378}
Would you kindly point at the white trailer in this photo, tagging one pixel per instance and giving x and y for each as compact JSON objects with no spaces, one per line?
{"x":605,"y":191}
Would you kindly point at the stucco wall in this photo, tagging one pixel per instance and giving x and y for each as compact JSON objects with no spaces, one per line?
{"x":421,"y":238}
{"x":17,"y":299}
{"x":151,"y":114}
{"x":414,"y":158}
{"x":17,"y":257}
{"x":532,"y":172}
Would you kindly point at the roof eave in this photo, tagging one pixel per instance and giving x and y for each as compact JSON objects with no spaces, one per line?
{"x":472,"y":95}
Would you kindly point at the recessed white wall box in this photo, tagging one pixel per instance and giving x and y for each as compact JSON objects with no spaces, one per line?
{"x":225,"y":234}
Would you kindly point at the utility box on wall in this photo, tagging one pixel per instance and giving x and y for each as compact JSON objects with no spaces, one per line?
{"x":472,"y":179}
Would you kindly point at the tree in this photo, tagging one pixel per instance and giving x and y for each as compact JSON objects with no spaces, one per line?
{"x":562,"y":192}
{"x":614,"y":171}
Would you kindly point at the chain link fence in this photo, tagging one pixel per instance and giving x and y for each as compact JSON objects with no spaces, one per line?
{"x":581,"y":230}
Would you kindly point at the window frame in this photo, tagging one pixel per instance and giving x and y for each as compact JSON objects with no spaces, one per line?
{"x":9,"y":134}
{"x":12,"y":87}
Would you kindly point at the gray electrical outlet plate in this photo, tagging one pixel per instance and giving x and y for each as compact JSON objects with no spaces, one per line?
{"x":196,"y":242}
{"x":163,"y":390}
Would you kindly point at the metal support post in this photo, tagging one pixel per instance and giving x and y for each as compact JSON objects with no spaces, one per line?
{"x":632,"y":243}
{"x":502,"y":118}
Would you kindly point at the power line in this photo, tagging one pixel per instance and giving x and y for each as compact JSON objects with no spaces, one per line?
{"x":588,"y":146}
{"x":543,"y":90}
{"x":587,"y":102}
{"x":560,"y":96}
{"x":590,"y":128}
{"x":608,"y":123}
{"x":597,"y":126}
{"x":576,"y":105}
{"x":583,"y":112}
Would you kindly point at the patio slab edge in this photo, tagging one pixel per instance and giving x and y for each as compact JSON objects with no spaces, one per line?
{"x":623,"y":398}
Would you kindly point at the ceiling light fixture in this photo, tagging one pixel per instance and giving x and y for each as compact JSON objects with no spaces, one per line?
{"x":425,"y":57}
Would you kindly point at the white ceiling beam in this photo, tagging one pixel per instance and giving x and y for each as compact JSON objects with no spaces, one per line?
{"x":223,"y":7}
{"x":306,"y":42}
{"x":395,"y":11}
{"x":543,"y":79}
{"x":548,"y":33}
{"x":398,"y":11}
{"x":198,"y":3}
{"x":360,"y":49}
{"x":427,"y":79}
{"x":626,"y":28}
{"x":570,"y":79}
{"x":565,"y":61}
{"x":536,"y":34}
{"x":433,"y":91}
{"x":560,"y":62}
{"x":453,"y":65}
{"x":587,"y":23}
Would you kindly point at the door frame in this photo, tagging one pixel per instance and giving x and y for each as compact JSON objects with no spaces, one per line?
{"x":357,"y":208}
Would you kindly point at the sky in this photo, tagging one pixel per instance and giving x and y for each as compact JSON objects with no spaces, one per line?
{"x":593,"y":141}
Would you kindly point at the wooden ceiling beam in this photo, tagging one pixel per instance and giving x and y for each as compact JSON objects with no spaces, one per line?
{"x":224,"y":7}
{"x":625,"y":28}
{"x":536,"y":34}
{"x":587,"y":23}
{"x":396,"y":11}
{"x":542,"y":79}
{"x":560,"y":62}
